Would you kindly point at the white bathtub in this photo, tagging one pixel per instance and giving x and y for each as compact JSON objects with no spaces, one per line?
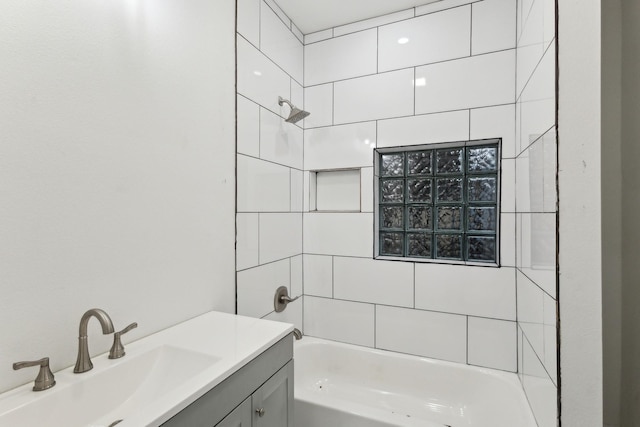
{"x":341,"y":385}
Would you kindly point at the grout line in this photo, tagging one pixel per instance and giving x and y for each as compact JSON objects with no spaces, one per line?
{"x":270,"y":161}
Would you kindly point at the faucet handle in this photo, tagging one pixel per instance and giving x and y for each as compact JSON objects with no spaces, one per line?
{"x":45,"y":378}
{"x":117,"y":349}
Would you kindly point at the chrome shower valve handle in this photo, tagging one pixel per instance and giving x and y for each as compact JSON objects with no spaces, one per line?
{"x":281,"y":299}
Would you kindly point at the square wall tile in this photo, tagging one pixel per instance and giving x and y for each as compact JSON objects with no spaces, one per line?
{"x":345,"y":57}
{"x":259,"y":79}
{"x":424,"y":129}
{"x":476,"y":291}
{"x":441,"y":336}
{"x":496,"y":122}
{"x":424,"y":40}
{"x":344,"y":321}
{"x":318,"y":100}
{"x":340,"y":234}
{"x":478,"y":81}
{"x":292,"y":314}
{"x":374,"y":97}
{"x":297,"y":99}
{"x":257,"y":286}
{"x":279,"y":44}
{"x":297,"y":190}
{"x":550,"y":355}
{"x":366,"y":189}
{"x":280,"y":142}
{"x":249,"y":20}
{"x":340,"y":147}
{"x":247,"y":240}
{"x":492,"y":344}
{"x":248,"y":127}
{"x":318,"y":275}
{"x":531,"y":42}
{"x":280,"y":236}
{"x":375,"y":281}
{"x":262,"y":186}
{"x":494,"y":26}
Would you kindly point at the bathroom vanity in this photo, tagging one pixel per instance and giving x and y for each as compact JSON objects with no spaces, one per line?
{"x":217,"y":369}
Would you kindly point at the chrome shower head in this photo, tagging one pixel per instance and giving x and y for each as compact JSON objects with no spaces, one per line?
{"x":296,"y":114}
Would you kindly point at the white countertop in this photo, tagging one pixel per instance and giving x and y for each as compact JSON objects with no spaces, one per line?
{"x":234,"y":340}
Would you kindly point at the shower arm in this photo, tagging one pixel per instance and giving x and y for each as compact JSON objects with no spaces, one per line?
{"x":281,"y":100}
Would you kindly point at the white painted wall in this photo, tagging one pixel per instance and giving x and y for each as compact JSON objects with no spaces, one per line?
{"x":116,"y":170}
{"x":579,"y":145}
{"x":630,"y":206}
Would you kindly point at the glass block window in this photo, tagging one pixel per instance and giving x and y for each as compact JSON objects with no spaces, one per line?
{"x":439,"y":202}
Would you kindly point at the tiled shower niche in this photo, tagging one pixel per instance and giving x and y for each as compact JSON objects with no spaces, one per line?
{"x":439,"y":202}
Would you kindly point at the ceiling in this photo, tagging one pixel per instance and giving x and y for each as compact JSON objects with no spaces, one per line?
{"x":315,"y":15}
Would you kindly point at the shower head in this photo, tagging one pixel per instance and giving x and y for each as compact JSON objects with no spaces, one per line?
{"x":296,"y":114}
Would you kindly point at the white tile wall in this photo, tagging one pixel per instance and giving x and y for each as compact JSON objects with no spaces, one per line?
{"x":538,"y":103}
{"x":337,"y":320}
{"x":297,"y":190}
{"x":338,"y":190}
{"x":494,"y":26}
{"x":530,"y":44}
{"x":318,"y":100}
{"x":436,"y":6}
{"x":247,"y":240}
{"x":424,"y":40}
{"x":262,"y":186}
{"x":492,"y":343}
{"x":508,"y":240}
{"x":318,"y":36}
{"x":340,"y":147}
{"x":536,"y":176}
{"x":540,"y":390}
{"x":318,"y":275}
{"x":283,"y":16}
{"x":341,"y":234}
{"x":297,"y":276}
{"x":477,"y":81}
{"x":496,"y":122}
{"x":259,"y":79}
{"x":280,"y":142}
{"x":537,"y":248}
{"x":373,"y":22}
{"x":477,"y":291}
{"x":340,"y":58}
{"x":424,"y":129}
{"x":280,"y":236}
{"x":296,"y":32}
{"x":550,"y":359}
{"x":374,"y":97}
{"x":508,"y":186}
{"x":248,"y":127}
{"x":368,"y":280}
{"x":280,"y":44}
{"x":257,"y":286}
{"x":292,"y":314}
{"x":424,"y":333}
{"x":249,"y":20}
{"x":366,"y":189}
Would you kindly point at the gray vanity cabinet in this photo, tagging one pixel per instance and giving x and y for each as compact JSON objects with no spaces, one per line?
{"x":260,"y":394}
{"x":269,"y":406}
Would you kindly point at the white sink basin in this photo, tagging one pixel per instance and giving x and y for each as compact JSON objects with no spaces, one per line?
{"x":123,"y":387}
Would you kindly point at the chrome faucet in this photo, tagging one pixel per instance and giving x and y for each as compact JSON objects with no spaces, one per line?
{"x":83,"y":363}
